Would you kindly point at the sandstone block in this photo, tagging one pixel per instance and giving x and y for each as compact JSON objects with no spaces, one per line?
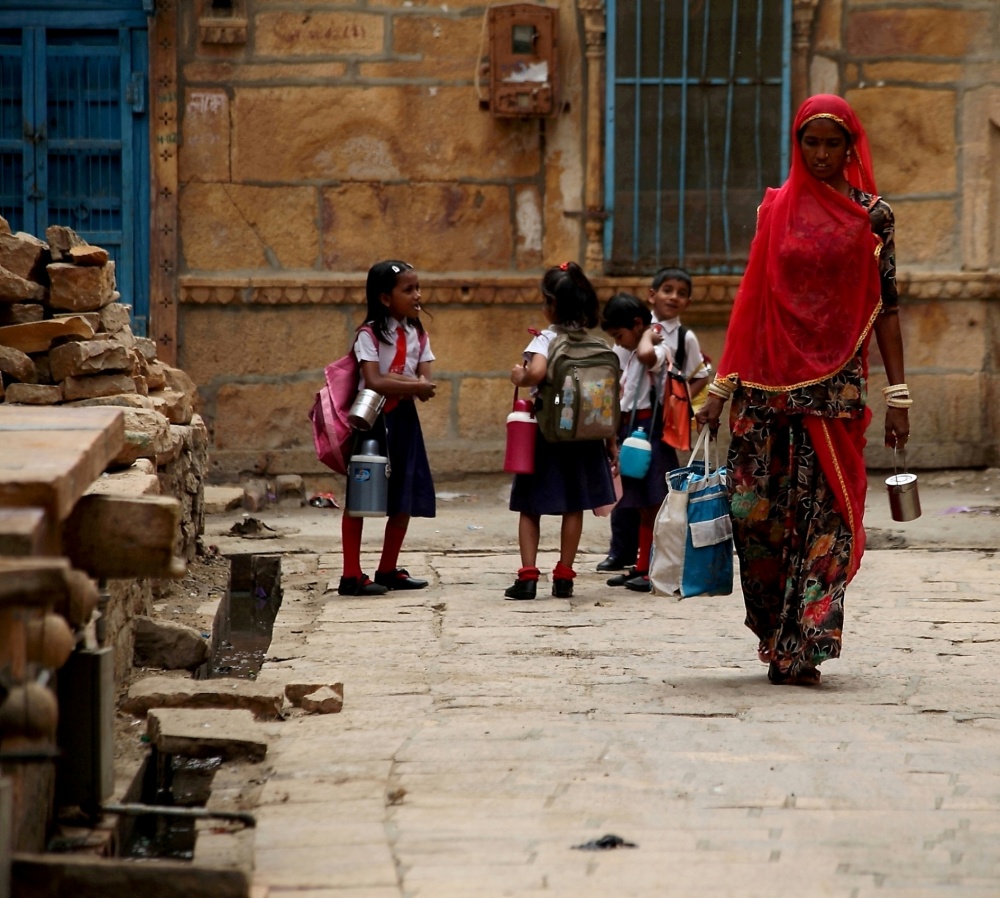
{"x":256,"y":495}
{"x":235,"y":226}
{"x":156,"y":379}
{"x":448,"y":226}
{"x":171,"y":692}
{"x":291,"y":34}
{"x":219,"y":499}
{"x":206,"y":734}
{"x":88,"y":357}
{"x":24,"y":255}
{"x":114,"y":317}
{"x":325,"y":700}
{"x":61,"y":240}
{"x":918,"y":32}
{"x":80,"y":289}
{"x":140,"y":384}
{"x":14,"y":288}
{"x":927,"y":229}
{"x":445,"y":44}
{"x":289,"y":490}
{"x":21,"y":313}
{"x":263,"y":416}
{"x":179,"y":380}
{"x":927,"y":118}
{"x":206,"y":136}
{"x":120,"y":400}
{"x":88,"y":255}
{"x":38,"y":336}
{"x":483,"y":405}
{"x":17,"y":365}
{"x":34,"y":394}
{"x":147,"y":435}
{"x":168,"y":645}
{"x":435,"y":415}
{"x":97,"y":385}
{"x":493,"y":344}
{"x":362,"y":136}
{"x":4,"y":225}
{"x":92,"y":318}
{"x":235,"y":340}
{"x":147,"y":347}
{"x":176,"y":407}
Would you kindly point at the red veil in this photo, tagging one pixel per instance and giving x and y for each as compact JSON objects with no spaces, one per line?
{"x":809,"y":297}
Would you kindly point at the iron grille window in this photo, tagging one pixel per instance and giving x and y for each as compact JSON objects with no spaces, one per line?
{"x":698,"y":98}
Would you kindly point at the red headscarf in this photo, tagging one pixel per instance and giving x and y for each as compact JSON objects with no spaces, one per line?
{"x":811,"y":289}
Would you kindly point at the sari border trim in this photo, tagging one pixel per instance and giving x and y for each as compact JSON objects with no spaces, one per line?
{"x":844,"y":492}
{"x":786,"y":388}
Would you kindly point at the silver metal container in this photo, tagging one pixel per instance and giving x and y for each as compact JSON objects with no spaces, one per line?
{"x":904,"y":500}
{"x":366,"y":409}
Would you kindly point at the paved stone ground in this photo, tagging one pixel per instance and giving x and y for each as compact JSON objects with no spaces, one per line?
{"x":482,"y":739}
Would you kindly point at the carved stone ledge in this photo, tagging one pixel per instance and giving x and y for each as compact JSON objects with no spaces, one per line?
{"x":712,"y":295}
{"x":222,"y":30}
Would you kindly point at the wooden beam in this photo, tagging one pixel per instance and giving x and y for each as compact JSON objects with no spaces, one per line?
{"x":117,"y":537}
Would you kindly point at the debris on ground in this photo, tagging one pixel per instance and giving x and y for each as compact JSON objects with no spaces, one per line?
{"x":606,"y":843}
{"x":324,"y":500}
{"x":253,"y":528}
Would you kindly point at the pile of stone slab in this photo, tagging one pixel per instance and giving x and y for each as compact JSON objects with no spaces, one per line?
{"x":66,"y":340}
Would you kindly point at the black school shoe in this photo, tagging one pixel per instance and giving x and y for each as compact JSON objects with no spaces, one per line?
{"x":562,"y":588}
{"x":639,"y":583}
{"x":398,"y":579}
{"x":360,"y":586}
{"x":622,"y":579}
{"x":522,"y":590}
{"x":612,"y":563}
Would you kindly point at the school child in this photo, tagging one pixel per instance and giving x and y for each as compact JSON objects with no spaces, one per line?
{"x":569,"y":477}
{"x":396,"y":362}
{"x":642,"y":352}
{"x":669,"y":295}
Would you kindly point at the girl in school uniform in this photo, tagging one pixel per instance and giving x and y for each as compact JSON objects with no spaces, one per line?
{"x":642,"y":352}
{"x":395,"y":358}
{"x":569,"y":477}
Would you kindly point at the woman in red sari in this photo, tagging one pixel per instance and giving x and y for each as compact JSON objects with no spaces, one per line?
{"x":820,"y":279}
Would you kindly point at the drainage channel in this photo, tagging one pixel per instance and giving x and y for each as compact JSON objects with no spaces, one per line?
{"x":161,"y":813}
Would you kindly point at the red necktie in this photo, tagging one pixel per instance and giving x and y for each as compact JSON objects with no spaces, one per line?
{"x":398,"y":365}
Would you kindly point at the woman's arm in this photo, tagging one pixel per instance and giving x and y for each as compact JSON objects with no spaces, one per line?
{"x":889,"y":337}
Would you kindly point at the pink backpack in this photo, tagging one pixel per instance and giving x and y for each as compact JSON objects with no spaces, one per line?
{"x":331,"y":429}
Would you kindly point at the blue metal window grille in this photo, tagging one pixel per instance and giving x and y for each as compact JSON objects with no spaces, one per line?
{"x":74,"y":138}
{"x":698,"y":95}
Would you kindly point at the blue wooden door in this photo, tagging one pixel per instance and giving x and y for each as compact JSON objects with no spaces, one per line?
{"x":74,"y":141}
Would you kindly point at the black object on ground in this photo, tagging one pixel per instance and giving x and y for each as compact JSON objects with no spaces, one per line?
{"x":606,"y":843}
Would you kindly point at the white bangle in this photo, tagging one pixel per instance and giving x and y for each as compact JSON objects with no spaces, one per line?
{"x":895,"y":389}
{"x":898,"y":402}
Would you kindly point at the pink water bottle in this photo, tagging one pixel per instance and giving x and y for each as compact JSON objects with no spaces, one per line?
{"x":519,"y":457}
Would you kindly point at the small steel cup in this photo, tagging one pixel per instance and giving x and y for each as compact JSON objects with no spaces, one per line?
{"x":366,"y":409}
{"x":904,"y":500}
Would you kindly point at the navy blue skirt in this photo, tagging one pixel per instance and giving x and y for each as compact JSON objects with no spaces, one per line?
{"x":651,"y":490}
{"x":568,"y":477}
{"x":411,"y":487}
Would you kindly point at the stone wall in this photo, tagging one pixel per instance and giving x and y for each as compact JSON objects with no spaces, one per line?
{"x":327,"y":137}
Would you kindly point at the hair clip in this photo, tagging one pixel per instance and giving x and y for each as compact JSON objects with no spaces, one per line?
{"x":395,"y":269}
{"x":534,"y":331}
{"x":564,"y":266}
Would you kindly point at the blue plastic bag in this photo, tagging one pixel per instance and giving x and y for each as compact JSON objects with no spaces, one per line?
{"x":693,"y":534}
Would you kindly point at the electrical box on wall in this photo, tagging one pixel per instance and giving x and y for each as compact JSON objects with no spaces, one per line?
{"x":522,"y":60}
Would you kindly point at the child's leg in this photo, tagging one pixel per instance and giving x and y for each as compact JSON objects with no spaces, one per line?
{"x":395,"y":532}
{"x":350,"y":537}
{"x":569,"y":537}
{"x":624,"y":537}
{"x":389,"y":574}
{"x":528,"y":534}
{"x":647,"y":517}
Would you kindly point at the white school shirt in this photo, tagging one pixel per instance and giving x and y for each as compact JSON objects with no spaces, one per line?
{"x":368,"y":348}
{"x":633,"y":370}
{"x":692,"y":357}
{"x":541,"y":343}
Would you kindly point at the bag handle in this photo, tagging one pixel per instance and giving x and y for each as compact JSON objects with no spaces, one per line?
{"x":705,"y":438}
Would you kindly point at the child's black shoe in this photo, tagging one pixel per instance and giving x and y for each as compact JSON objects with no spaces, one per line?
{"x":639,"y":583}
{"x":623,"y":578}
{"x":562,"y":588}
{"x":360,"y":586}
{"x":522,"y":589}
{"x":398,"y":579}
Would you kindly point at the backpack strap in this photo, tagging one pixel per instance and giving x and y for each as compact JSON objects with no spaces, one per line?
{"x":680,"y":357}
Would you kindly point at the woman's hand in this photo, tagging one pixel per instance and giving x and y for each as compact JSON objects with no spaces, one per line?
{"x":897,"y":428}
{"x":710,"y":413}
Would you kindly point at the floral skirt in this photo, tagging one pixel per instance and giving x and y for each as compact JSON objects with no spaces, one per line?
{"x":793,"y":545}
